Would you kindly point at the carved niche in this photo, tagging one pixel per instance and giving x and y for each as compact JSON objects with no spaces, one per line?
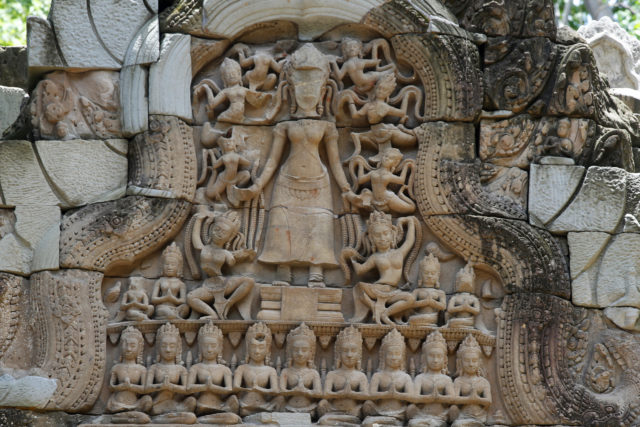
{"x":305,"y":210}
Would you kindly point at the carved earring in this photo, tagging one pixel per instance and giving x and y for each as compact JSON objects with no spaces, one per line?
{"x":292,"y":98}
{"x":322,"y":99}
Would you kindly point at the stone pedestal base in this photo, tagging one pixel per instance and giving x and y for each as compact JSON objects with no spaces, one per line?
{"x":297,"y":303}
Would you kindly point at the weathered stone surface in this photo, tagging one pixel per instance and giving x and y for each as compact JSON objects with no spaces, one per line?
{"x":13,"y":66}
{"x":279,"y":419}
{"x":62,"y":173}
{"x":134,"y":100}
{"x":224,"y":20}
{"x":561,"y":200}
{"x":21,"y":177}
{"x":630,"y":97}
{"x":42,"y":50}
{"x":170,"y":78}
{"x":10,"y":102}
{"x":11,"y":417}
{"x":617,"y":52}
{"x":83,"y":172}
{"x":624,"y":317}
{"x":96,"y":34}
{"x":26,"y":392}
{"x":569,"y":362}
{"x":604,"y":269}
{"x":31,"y":242}
{"x":76,"y":105}
{"x":550,"y":188}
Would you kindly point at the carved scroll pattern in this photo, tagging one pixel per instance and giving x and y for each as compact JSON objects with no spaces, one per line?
{"x":546,"y":366}
{"x":524,"y":266}
{"x":70,"y":334}
{"x":10,"y":296}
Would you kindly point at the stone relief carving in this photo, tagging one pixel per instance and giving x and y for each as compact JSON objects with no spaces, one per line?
{"x":315,"y":184}
{"x":70,"y":106}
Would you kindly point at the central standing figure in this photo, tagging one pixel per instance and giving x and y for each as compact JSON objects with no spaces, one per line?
{"x":301,"y":212}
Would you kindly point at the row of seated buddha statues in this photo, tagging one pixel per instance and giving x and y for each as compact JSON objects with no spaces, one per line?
{"x":382,"y":299}
{"x":211,"y":392}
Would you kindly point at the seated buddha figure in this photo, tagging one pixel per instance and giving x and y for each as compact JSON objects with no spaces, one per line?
{"x":390,"y":385}
{"x":212,"y":380}
{"x":127,"y":381}
{"x":346,"y":387}
{"x":257,"y":380}
{"x":472,"y":390}
{"x":463,"y":306}
{"x":169,"y":292}
{"x":167,"y":379}
{"x":430,"y":299}
{"x":300,"y":378}
{"x":433,"y":387}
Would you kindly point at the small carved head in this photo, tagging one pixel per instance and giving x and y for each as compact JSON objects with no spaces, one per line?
{"x":231,"y":72}
{"x":391,"y":158}
{"x":465,"y":279}
{"x":258,"y":343}
{"x":434,"y":353}
{"x":169,"y":344}
{"x":348,"y":349}
{"x":381,"y":233}
{"x":393,"y":352}
{"x":132,"y":344}
{"x":351,"y":48}
{"x":172,"y":261}
{"x":225,"y":228}
{"x":301,"y":346}
{"x":468,"y":357}
{"x":136,"y":283}
{"x":307,"y":71}
{"x":564,"y":125}
{"x":210,"y":342}
{"x":429,"y":272}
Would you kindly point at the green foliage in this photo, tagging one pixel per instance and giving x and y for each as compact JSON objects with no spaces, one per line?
{"x":625,"y":12}
{"x":13,"y":19}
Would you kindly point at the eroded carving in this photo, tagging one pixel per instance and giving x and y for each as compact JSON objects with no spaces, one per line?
{"x":71,"y":106}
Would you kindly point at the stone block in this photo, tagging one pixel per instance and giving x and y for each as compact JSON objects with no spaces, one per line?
{"x":170,"y":78}
{"x":604,"y":269}
{"x":84,"y":171}
{"x":224,"y":19}
{"x":617,"y":52}
{"x":562,"y":201}
{"x":10,"y":102}
{"x":300,"y":303}
{"x":26,"y":392}
{"x":550,"y":188}
{"x":30,"y":239}
{"x":41,"y":46}
{"x":624,"y":317}
{"x":96,"y":34}
{"x":134,"y":101}
{"x":76,"y":105}
{"x":279,"y":419}
{"x":62,"y":173}
{"x":13,"y":66}
{"x":21,"y":178}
